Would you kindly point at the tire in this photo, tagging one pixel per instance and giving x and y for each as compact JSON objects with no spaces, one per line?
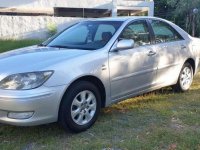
{"x":186,"y":75}
{"x":80,"y":107}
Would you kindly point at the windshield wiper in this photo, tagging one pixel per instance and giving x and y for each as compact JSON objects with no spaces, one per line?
{"x":60,"y":46}
{"x":41,"y":44}
{"x":89,"y":49}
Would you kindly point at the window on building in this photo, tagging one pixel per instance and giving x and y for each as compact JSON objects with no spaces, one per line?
{"x":121,"y":12}
{"x":81,"y":12}
{"x":18,"y":11}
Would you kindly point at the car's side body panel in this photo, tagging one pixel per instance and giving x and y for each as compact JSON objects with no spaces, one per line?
{"x":95,"y":64}
{"x":131,"y":71}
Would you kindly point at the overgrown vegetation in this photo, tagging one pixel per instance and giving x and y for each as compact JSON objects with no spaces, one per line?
{"x":160,"y":120}
{"x":52,"y":29}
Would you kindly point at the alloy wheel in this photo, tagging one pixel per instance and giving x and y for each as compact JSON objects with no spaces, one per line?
{"x":83,"y":107}
{"x":186,"y":78}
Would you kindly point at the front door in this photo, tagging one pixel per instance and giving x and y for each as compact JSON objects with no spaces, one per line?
{"x":133,"y":70}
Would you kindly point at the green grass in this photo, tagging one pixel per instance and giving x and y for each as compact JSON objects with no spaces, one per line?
{"x":160,"y":120}
{"x":13,"y":44}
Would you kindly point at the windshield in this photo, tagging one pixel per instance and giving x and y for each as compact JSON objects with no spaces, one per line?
{"x":89,"y":35}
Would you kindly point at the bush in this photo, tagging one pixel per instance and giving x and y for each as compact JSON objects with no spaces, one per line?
{"x":52,"y":29}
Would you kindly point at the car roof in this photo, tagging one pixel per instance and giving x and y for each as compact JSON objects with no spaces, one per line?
{"x":131,"y":18}
{"x":123,"y":18}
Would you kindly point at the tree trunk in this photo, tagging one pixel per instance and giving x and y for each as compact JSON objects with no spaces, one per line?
{"x":193,"y":25}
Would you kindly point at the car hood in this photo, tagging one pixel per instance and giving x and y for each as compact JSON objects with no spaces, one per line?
{"x":35,"y":58}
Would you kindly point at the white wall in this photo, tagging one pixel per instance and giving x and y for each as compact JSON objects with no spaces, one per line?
{"x":25,"y":27}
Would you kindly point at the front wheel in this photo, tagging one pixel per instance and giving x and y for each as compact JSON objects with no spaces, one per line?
{"x":80,"y":107}
{"x":185,"y":78}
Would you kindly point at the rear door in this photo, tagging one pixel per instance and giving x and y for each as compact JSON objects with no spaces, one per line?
{"x":168,"y":43}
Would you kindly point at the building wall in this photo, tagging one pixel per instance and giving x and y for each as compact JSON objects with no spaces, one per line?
{"x":57,"y":3}
{"x":36,"y":26}
{"x":29,"y":27}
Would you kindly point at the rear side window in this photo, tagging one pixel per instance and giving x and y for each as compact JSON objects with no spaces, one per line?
{"x":138,"y":31}
{"x":164,"y":32}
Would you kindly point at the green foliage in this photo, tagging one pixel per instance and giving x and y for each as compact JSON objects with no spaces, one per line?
{"x":184,"y":12}
{"x":52,"y":29}
{"x":163,"y":9}
{"x":180,"y":12}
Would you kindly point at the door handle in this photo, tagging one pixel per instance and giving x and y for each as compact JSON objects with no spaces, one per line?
{"x":183,"y":47}
{"x":151,"y":53}
{"x":165,"y":46}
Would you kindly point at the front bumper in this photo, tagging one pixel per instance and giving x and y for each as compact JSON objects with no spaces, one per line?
{"x":43,"y":102}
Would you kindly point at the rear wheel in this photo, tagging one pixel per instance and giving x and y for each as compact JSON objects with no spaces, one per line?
{"x":80,"y":107}
{"x":185,"y":78}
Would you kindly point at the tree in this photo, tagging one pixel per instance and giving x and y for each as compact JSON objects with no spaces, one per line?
{"x":181,"y":13}
{"x":163,"y":10}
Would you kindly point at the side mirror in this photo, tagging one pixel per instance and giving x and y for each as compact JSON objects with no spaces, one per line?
{"x":125,"y":44}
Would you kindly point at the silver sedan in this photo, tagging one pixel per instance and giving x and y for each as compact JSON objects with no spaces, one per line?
{"x":91,"y":65}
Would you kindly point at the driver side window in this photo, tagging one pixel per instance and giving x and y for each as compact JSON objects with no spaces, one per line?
{"x":138,"y":31}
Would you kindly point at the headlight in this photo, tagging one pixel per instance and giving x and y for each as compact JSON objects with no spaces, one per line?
{"x":25,"y":81}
